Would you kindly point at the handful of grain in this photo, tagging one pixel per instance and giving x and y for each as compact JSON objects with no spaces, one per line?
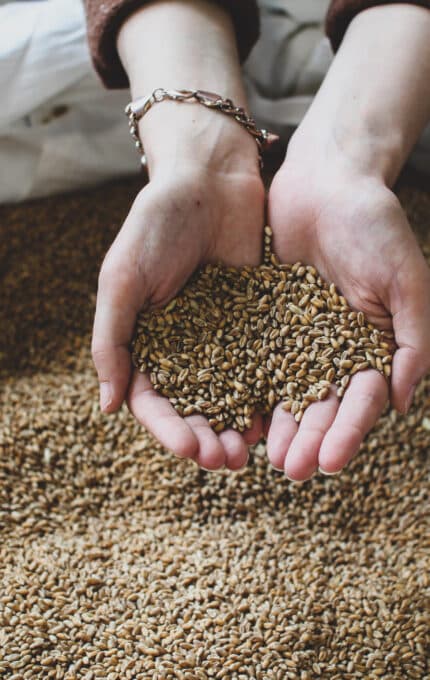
{"x":236,"y":341}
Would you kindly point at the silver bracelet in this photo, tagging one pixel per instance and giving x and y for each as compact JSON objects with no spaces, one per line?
{"x":136,"y":109}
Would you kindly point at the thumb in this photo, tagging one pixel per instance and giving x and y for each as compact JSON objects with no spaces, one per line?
{"x":120,"y":296}
{"x":116,"y":310}
{"x":411,"y":322}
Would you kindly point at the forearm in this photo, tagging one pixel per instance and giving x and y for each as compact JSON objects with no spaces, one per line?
{"x":184,"y":44}
{"x":375,"y":100}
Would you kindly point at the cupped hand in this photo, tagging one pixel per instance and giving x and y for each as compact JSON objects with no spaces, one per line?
{"x":178,"y":221}
{"x":354,"y":231}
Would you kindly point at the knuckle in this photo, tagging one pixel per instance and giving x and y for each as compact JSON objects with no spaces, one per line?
{"x":370,"y":400}
{"x":316,"y":432}
{"x":355,"y":432}
{"x":99,"y":351}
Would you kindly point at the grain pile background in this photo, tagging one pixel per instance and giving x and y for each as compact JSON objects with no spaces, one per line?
{"x":119,"y":561}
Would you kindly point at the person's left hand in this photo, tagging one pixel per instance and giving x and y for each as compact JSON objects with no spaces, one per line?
{"x":353,"y":230}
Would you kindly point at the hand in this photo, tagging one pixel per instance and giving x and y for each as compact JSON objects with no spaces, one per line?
{"x":353,"y":229}
{"x":204,"y":202}
{"x":330,"y":206}
{"x":175,"y":224}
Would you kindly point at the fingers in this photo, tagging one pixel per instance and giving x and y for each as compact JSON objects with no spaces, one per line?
{"x":211,"y":454}
{"x":112,"y":363}
{"x":282,"y":430}
{"x":409,"y":366}
{"x":359,"y":410}
{"x":402,"y":383}
{"x":236,"y":450}
{"x":159,"y":417}
{"x":120,"y":296}
{"x":188,"y":438}
{"x":329,"y":434}
{"x":114,"y":321}
{"x":267,"y":421}
{"x":252,"y":435}
{"x":302,"y":457}
{"x":410,"y":306}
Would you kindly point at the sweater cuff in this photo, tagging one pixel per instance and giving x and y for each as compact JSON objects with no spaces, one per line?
{"x":104,"y":20}
{"x":342,"y":12}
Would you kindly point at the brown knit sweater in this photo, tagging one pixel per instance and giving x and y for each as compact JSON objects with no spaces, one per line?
{"x":104,"y":18}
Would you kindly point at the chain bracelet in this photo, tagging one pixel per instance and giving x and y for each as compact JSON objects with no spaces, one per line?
{"x":136,"y":109}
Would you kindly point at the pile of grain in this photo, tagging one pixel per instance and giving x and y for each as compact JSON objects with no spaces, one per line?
{"x":119,"y":561}
{"x":236,"y":341}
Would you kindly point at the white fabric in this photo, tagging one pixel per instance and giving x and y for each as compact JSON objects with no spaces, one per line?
{"x":60,"y":129}
{"x":288,"y":63}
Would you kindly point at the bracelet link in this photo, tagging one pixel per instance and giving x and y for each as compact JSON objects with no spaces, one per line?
{"x":136,"y":109}
{"x":209,"y":99}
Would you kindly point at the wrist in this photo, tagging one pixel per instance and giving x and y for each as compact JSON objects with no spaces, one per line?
{"x":178,"y":134}
{"x":350,"y":148}
{"x":374,"y":101}
{"x":188,"y":44}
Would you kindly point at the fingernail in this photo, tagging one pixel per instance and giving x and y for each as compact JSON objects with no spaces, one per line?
{"x":328,"y":474}
{"x":296,"y":481}
{"x":245,"y":463}
{"x":409,"y":399}
{"x":241,"y":468}
{"x":105,"y":395}
{"x":289,"y":478}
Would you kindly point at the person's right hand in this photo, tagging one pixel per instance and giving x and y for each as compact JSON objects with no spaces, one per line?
{"x":184,"y":218}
